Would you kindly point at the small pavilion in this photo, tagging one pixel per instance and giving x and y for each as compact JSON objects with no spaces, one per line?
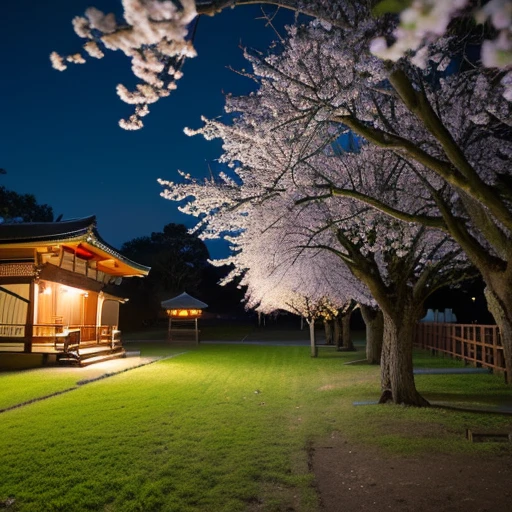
{"x":183,"y":312}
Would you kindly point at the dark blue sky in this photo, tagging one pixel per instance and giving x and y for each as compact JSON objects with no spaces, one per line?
{"x":59,"y":136}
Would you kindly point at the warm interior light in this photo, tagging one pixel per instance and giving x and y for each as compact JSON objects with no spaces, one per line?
{"x":72,"y":291}
{"x":184,"y":312}
{"x":44,"y":288}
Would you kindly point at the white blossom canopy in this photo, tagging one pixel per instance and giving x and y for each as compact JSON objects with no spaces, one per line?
{"x":157,"y":36}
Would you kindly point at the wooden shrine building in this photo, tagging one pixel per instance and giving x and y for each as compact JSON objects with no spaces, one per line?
{"x":183,"y":312}
{"x":53,"y":302}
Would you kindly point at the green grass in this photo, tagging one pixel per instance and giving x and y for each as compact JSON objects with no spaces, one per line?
{"x":22,"y":386}
{"x":220,"y":428}
{"x":17,"y":387}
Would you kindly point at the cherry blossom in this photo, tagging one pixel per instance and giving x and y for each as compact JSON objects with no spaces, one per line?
{"x":425,"y":21}
{"x":153,"y":34}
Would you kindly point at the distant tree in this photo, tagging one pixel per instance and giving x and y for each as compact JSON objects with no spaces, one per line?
{"x":222,"y":300}
{"x":178,"y":261}
{"x":23,"y":207}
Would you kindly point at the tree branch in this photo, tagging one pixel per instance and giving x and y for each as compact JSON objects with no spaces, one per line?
{"x":425,"y":220}
{"x":395,"y":142}
{"x":213,"y":7}
{"x":466,"y":178}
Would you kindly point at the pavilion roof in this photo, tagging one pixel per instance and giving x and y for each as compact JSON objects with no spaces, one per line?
{"x":183,"y":301}
{"x":76,"y":234}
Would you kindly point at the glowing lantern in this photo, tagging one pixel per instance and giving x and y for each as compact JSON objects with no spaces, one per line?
{"x":183,"y":312}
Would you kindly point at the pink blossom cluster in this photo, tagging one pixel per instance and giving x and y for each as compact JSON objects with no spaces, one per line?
{"x":153,"y":35}
{"x":425,"y":21}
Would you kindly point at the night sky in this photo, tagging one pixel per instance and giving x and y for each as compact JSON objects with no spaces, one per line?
{"x":59,"y":135}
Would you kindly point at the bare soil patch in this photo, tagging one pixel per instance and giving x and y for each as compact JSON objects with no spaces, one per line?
{"x":354,"y":478}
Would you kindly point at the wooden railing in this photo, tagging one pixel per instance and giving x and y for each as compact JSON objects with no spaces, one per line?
{"x":87,"y":332}
{"x":46,"y":330}
{"x":12,"y":330}
{"x":57,"y":336}
{"x":479,"y":345}
{"x":67,"y":337}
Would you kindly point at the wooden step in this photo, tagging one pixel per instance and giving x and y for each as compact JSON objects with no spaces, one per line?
{"x":101,"y":358}
{"x":91,"y":355}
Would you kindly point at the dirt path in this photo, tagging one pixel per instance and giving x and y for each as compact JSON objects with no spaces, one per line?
{"x":352,"y":478}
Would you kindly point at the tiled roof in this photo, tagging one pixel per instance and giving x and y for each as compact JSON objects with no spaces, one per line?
{"x":46,"y":231}
{"x":68,"y":230}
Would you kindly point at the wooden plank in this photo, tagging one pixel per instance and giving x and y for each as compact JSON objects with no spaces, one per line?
{"x":480,"y":437}
{"x":58,"y":275}
{"x":12,"y":347}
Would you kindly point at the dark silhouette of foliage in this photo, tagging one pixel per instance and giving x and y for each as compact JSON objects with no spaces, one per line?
{"x":23,"y":207}
{"x":178,"y":261}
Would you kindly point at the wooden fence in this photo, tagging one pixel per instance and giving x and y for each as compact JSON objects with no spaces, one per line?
{"x":479,"y":345}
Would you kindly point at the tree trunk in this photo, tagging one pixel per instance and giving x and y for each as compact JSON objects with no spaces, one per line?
{"x":348,"y":344}
{"x":314,"y":349}
{"x":337,"y":333}
{"x":385,"y":376}
{"x":374,"y":322}
{"x":500,"y":305}
{"x":343,"y":339}
{"x":328,"y":331}
{"x":399,"y":329}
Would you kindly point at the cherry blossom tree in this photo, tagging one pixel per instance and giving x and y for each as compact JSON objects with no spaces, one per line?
{"x":157,"y":37}
{"x":401,"y":267}
{"x":267,"y":251}
{"x":320,"y":284}
{"x":453,"y":131}
{"x":281,"y":152}
{"x":424,"y":21}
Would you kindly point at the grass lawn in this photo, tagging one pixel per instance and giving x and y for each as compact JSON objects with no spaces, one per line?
{"x":219,"y":428}
{"x":17,"y":387}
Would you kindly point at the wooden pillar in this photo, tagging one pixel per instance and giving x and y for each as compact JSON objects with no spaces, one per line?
{"x":29,"y":323}
{"x":197,"y":333}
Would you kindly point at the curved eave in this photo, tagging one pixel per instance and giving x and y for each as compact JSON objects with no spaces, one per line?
{"x":113,"y":262}
{"x":71,"y":234}
{"x":27,"y":234}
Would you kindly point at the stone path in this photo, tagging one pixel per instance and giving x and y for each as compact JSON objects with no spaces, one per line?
{"x":96,"y":372}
